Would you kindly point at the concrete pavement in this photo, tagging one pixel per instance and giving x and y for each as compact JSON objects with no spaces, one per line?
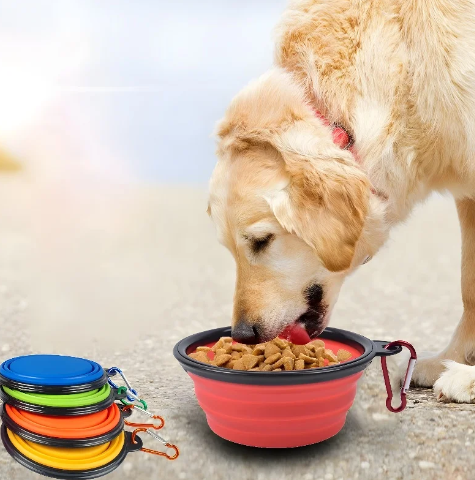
{"x":119,"y":275}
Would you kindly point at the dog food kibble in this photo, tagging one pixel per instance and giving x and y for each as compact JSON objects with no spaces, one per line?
{"x":330,"y":356}
{"x":200,"y":356}
{"x":343,"y":355}
{"x":220,"y":360}
{"x":271,"y":350}
{"x":249,"y":361}
{"x":299,"y":365}
{"x":274,"y":356}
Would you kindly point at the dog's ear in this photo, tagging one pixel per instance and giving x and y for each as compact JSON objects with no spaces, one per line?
{"x":326,"y":200}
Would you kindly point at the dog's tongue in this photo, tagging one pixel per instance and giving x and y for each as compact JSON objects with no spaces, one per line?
{"x":296,"y":334}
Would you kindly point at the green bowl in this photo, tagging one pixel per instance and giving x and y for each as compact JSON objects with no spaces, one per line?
{"x":62,"y":401}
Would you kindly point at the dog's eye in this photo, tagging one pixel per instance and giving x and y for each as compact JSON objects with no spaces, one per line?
{"x":259,"y":244}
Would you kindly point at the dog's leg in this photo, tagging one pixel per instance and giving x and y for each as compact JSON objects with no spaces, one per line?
{"x":457,"y":382}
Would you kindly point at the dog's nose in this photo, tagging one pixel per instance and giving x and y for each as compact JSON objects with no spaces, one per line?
{"x":243,"y":332}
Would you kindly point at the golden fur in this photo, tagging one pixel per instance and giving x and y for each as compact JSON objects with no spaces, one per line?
{"x":400,"y":76}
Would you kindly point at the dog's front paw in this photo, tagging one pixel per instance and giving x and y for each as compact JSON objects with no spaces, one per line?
{"x":428,"y":369}
{"x":456,"y":383}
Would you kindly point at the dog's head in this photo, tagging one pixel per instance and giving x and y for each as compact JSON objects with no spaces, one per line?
{"x":294,"y":209}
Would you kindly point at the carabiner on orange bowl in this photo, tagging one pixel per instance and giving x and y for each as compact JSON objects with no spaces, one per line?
{"x":125,"y":408}
{"x":161,"y":440}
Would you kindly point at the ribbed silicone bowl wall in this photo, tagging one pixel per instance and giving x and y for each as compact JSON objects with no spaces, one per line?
{"x":276,"y":416}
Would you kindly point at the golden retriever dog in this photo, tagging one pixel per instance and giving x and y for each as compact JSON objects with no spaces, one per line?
{"x":300,"y":210}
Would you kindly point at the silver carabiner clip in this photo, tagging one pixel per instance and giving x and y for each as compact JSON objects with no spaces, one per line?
{"x":132,"y":394}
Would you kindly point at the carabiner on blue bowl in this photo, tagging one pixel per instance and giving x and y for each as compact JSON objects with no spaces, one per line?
{"x":132,"y":394}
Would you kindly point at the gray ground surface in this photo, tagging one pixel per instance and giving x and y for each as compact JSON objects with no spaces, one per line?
{"x":121,"y":275}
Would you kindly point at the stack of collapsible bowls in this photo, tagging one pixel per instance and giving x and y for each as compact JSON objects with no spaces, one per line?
{"x":59,"y":417}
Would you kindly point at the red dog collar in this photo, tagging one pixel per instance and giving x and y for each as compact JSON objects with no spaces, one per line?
{"x":341,"y":136}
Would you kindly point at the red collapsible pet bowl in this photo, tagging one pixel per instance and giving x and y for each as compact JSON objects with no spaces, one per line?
{"x":287,"y":408}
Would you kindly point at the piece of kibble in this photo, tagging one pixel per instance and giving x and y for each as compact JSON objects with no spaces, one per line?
{"x":236,"y":355}
{"x":266,"y":368}
{"x":318,"y":343}
{"x":280,"y":343}
{"x":299,"y":364}
{"x":288,"y":363}
{"x":260,"y":358}
{"x":217,"y":345}
{"x":255,"y":369}
{"x":279,"y":363}
{"x":343,"y":355}
{"x":306,"y":358}
{"x":330,"y":356}
{"x":226,"y":339}
{"x":271,"y":350}
{"x":249,"y":361}
{"x":221,"y":351}
{"x":221,"y":359}
{"x":298,"y":349}
{"x":259,"y":349}
{"x":203,"y":349}
{"x":333,"y":363}
{"x":321,"y":362}
{"x":200,"y":356}
{"x":238,"y":365}
{"x":319,"y":352}
{"x":273,"y":358}
{"x":277,"y":370}
{"x":230,"y":364}
{"x":246,"y":350}
{"x":288,"y":353}
{"x":310,"y":347}
{"x":238,"y":347}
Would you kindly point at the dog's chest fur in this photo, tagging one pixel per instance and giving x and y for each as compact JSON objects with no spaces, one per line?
{"x":401,"y":76}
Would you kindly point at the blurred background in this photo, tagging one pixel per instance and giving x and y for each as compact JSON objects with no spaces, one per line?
{"x":106,"y":117}
{"x":115,"y":87}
